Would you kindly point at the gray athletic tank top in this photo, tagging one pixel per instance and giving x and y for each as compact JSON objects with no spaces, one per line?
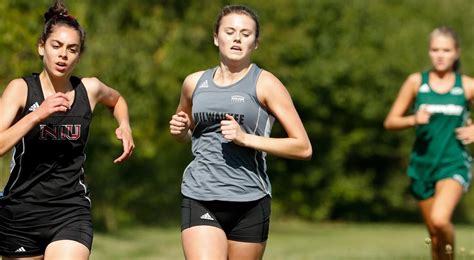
{"x":222,"y":170}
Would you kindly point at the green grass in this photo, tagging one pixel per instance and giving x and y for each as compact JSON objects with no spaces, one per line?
{"x":293,"y":240}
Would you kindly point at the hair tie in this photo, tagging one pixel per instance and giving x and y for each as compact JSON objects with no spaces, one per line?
{"x":65,"y":15}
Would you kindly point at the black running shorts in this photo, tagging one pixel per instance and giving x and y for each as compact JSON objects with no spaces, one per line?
{"x":26,"y":230}
{"x":241,"y":221}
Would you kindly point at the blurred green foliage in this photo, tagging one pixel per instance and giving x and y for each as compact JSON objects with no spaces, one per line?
{"x":343,"y":62}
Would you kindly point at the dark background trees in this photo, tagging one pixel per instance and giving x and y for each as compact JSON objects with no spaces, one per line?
{"x":342,"y":61}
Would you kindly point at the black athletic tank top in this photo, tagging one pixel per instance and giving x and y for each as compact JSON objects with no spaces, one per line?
{"x":47,"y":163}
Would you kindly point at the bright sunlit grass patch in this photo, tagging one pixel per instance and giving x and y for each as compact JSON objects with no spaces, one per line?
{"x":295,"y":240}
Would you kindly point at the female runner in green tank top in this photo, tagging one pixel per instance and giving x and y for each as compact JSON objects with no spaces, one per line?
{"x":440,"y":165}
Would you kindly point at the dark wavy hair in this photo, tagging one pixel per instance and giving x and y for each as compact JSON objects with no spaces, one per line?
{"x":58,"y":14}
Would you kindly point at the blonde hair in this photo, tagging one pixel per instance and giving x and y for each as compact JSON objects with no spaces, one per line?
{"x":449,"y":32}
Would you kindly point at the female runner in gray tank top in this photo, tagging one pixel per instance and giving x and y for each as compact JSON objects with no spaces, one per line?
{"x":227,"y":112}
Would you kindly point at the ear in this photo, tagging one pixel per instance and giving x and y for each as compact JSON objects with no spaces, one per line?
{"x":256,"y":44}
{"x":216,"y":42}
{"x":41,"y":49}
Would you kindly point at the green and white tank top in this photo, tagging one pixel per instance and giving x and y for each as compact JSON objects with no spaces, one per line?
{"x":436,"y":141}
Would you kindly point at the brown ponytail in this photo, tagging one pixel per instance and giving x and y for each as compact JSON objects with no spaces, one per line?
{"x":58,"y":14}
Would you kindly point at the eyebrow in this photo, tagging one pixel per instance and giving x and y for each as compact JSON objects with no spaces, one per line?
{"x":69,"y":45}
{"x":232,"y":28}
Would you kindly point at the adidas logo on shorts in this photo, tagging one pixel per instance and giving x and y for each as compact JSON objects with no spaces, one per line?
{"x":206,"y":216}
{"x":21,"y":249}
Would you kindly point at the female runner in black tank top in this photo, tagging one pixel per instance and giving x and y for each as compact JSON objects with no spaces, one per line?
{"x":45,"y":209}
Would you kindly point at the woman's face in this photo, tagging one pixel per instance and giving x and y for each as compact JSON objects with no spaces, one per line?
{"x":236,"y":37}
{"x":443,"y":52}
{"x":61,"y":51}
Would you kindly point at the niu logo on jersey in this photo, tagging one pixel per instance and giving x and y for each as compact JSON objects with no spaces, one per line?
{"x":60,"y":132}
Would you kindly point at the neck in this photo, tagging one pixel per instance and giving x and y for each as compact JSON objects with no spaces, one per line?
{"x":234,"y":66}
{"x":56,"y":84}
{"x":443,"y":74}
{"x":229,"y":73}
{"x":232,"y":70}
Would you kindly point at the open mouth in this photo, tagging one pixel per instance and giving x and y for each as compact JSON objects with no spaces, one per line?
{"x":61,"y":66}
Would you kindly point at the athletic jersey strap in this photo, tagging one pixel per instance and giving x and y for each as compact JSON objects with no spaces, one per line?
{"x":425,"y":77}
{"x":458,"y":81}
{"x":34,"y":91}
